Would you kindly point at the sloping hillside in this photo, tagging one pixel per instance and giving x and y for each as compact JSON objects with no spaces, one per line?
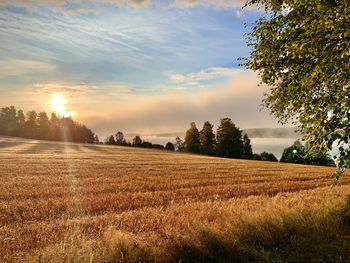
{"x":62,"y":200}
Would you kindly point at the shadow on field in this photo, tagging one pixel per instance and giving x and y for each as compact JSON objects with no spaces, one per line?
{"x":4,"y":145}
{"x":322,"y":236}
{"x":38,"y":148}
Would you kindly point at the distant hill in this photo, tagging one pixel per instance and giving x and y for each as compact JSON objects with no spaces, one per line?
{"x":287,"y":132}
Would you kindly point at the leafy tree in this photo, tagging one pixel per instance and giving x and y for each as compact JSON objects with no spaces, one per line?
{"x":207,"y":139}
{"x":301,"y":50}
{"x":321,"y":158}
{"x":170,"y":147}
{"x":229,"y":140}
{"x":179,"y":144}
{"x":119,"y":138}
{"x":294,"y":153}
{"x":247,"y":148}
{"x":265,"y":156}
{"x":192,"y":143}
{"x":137,"y":141}
{"x":256,"y":157}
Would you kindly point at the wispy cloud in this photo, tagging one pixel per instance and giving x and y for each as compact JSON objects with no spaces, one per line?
{"x":12,"y":68}
{"x":195,"y":78}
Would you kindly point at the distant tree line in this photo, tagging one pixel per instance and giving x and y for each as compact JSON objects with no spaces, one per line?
{"x":119,"y":139}
{"x":33,"y":125}
{"x":229,"y":141}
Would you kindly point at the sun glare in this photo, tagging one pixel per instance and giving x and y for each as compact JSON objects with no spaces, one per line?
{"x":58,"y":105}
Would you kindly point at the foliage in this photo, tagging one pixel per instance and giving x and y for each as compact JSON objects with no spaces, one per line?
{"x":179,"y":144}
{"x":207,"y":139}
{"x":229,"y":140}
{"x":294,"y":154}
{"x":192,"y":143}
{"x":39,"y":126}
{"x":170,"y":146}
{"x":119,"y":139}
{"x":110,"y":140}
{"x":137,"y":141}
{"x":265,"y":156}
{"x":297,"y":154}
{"x":301,"y":49}
{"x":247,"y":148}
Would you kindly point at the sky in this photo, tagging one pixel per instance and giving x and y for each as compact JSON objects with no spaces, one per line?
{"x":139,"y":66}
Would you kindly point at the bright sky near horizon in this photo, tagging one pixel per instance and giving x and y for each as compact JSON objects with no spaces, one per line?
{"x":137,"y":66}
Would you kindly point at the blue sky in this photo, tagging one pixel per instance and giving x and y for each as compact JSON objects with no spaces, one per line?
{"x":131,"y":61}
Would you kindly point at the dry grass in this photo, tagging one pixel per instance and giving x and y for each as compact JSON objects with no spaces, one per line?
{"x":71,"y":202}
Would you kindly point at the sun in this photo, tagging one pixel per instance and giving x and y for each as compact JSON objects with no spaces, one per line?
{"x":58,"y":103}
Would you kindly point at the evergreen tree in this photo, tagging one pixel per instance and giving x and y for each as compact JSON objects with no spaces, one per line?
{"x":207,"y":139}
{"x":192,"y":143}
{"x":229,"y":140}
{"x":8,"y":121}
{"x":110,"y":140}
{"x":21,"y":120}
{"x":96,"y":139}
{"x":247,"y":148}
{"x":44,"y":132}
{"x":31,"y":125}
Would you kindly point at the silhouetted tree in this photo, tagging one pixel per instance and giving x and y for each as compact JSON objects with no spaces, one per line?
{"x":21,"y":120}
{"x":170,"y":147}
{"x":256,"y":157}
{"x":192,"y":143}
{"x":247,"y":148}
{"x":297,"y":154}
{"x":8,"y":121}
{"x":229,"y":140}
{"x":96,"y":139}
{"x":110,"y":140}
{"x":137,"y":141}
{"x":119,"y":138}
{"x":158,"y":146}
{"x":31,"y":125}
{"x":265,"y":156}
{"x":44,"y":132}
{"x":207,"y":139}
{"x":294,"y":154}
{"x":55,"y":127}
{"x":38,"y":126}
{"x":179,"y":144}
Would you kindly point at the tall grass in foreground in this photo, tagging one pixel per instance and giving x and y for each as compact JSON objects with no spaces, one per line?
{"x":317,"y":236}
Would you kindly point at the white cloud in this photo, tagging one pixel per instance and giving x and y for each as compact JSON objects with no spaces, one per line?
{"x":172,"y":110}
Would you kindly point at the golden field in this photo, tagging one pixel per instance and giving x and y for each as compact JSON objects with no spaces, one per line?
{"x":82,"y":203}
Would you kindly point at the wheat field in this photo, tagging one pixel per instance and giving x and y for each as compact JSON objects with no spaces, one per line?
{"x":77,"y":203}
